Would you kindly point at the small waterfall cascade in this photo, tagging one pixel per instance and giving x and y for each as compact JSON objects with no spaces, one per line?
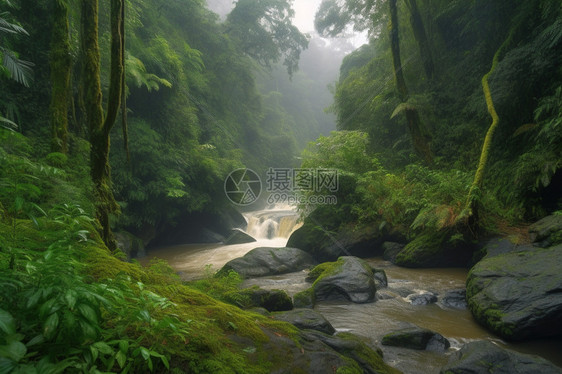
{"x":277,"y":222}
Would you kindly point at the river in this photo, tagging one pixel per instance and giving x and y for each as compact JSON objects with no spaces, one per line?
{"x":373,"y":320}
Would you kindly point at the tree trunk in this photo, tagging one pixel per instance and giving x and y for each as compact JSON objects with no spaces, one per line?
{"x":419,"y":139}
{"x":60,"y":63}
{"x":421,"y":38}
{"x":98,"y":127}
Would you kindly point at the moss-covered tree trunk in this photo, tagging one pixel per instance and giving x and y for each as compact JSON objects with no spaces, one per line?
{"x":420,"y":140}
{"x":473,"y":201}
{"x":420,"y":35}
{"x":60,"y":63}
{"x":99,"y":127}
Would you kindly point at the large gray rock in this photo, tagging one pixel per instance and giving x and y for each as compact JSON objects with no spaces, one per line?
{"x":415,"y":337}
{"x":306,"y":319}
{"x":518,"y":295}
{"x":484,"y":357}
{"x":547,"y":231}
{"x":237,"y":236}
{"x":349,"y":277}
{"x":264,"y":261}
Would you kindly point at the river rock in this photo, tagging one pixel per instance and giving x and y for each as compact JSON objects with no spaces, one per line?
{"x":455,"y":299}
{"x":518,"y":295}
{"x":264,"y":261}
{"x":351,"y":346}
{"x":306,"y":319}
{"x":381,"y":280}
{"x":435,"y":249}
{"x":391,"y":250}
{"x":484,"y":357}
{"x":237,"y":236}
{"x":348,"y":277}
{"x":547,"y":231}
{"x":272,"y":300}
{"x":422,"y":298}
{"x":415,"y":337}
{"x":317,"y":353}
{"x":304,"y":299}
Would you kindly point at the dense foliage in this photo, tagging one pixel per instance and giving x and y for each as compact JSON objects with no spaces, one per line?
{"x":518,"y":44}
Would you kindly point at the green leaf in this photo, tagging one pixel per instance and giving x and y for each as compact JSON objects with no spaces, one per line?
{"x":36,"y":340}
{"x":121,"y":359}
{"x":14,"y":350}
{"x":88,"y":312}
{"x":7,"y":322}
{"x":50,"y":325}
{"x":123,"y":346}
{"x":94,"y":352}
{"x":103,"y":348}
{"x":70,"y":298}
{"x":145,"y":353}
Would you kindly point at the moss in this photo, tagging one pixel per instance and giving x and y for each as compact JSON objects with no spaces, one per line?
{"x":424,"y":250}
{"x":304,"y":299}
{"x":369,"y":356}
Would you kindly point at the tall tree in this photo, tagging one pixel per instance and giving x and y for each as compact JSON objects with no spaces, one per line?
{"x":419,"y":139}
{"x":60,"y":64}
{"x":420,"y":35}
{"x":264,"y":30}
{"x":100,"y":127}
{"x":335,"y":16}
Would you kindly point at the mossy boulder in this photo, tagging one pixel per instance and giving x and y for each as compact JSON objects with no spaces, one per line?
{"x":272,"y":300}
{"x":415,"y":337}
{"x":349,"y":277}
{"x":518,"y":295}
{"x":547,"y":231}
{"x":484,"y":357}
{"x":264,"y":261}
{"x":435,"y":249}
{"x":129,"y":244}
{"x":304,"y":299}
{"x":354,"y":349}
{"x":306,"y":319}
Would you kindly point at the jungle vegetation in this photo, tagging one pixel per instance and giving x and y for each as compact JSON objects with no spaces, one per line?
{"x":129,"y":114}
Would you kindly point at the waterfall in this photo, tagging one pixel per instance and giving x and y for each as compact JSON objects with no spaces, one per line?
{"x":278,"y":222}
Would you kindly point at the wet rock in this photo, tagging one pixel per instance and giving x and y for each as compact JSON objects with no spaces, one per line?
{"x":518,"y":295}
{"x":423,"y":298}
{"x":264,"y":261}
{"x":497,"y":246}
{"x":304,"y":299}
{"x":129,"y":244}
{"x":435,"y":249}
{"x":349,"y":277}
{"x":484,"y":357}
{"x":547,"y":231}
{"x":415,"y":337}
{"x":306,"y":319}
{"x":391,"y":250}
{"x":271,"y":300}
{"x":237,"y":236}
{"x":351,"y":346}
{"x":455,"y":299}
{"x":381,"y":280}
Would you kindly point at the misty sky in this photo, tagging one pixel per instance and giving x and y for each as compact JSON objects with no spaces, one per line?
{"x":305,"y":10}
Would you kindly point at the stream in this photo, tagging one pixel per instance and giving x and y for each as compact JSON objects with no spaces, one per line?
{"x":272,"y":228}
